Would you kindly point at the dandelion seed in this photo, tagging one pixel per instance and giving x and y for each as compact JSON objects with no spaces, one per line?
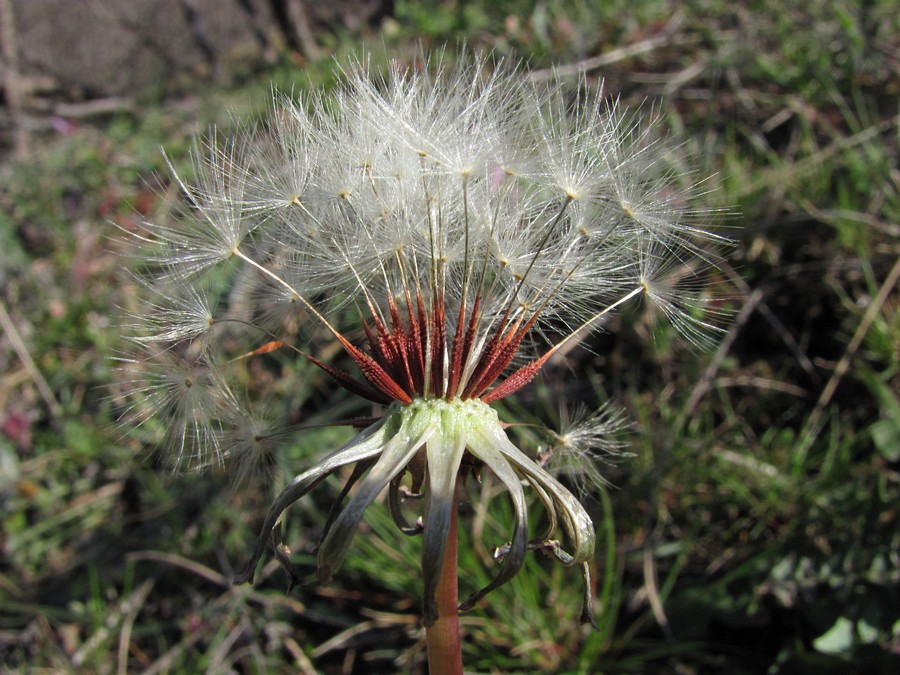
{"x":188,"y":393}
{"x":468,"y":217}
{"x":674,"y":287}
{"x":584,"y":441}
{"x":186,"y":313}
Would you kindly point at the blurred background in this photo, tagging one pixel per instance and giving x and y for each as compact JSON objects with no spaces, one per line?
{"x":754,"y":530}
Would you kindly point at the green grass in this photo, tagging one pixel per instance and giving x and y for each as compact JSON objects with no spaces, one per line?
{"x":754,"y":529}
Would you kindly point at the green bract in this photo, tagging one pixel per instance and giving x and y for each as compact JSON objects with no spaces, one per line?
{"x":436,"y":434}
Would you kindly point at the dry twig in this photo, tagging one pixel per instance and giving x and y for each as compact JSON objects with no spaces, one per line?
{"x":615,"y":55}
{"x":814,"y":424}
{"x":21,"y":350}
{"x":11,"y":84}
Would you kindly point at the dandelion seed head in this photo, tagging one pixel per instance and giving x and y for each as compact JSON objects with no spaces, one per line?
{"x":451,"y":228}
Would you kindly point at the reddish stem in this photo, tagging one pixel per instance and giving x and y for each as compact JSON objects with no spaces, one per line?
{"x":443,"y":639}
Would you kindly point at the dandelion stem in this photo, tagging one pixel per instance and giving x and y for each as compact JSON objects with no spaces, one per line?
{"x":442,"y":639}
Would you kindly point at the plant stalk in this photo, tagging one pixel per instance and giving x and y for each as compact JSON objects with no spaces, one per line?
{"x":442,"y":640}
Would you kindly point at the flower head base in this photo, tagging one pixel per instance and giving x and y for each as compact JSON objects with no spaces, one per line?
{"x":468,"y":216}
{"x":438,"y":435}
